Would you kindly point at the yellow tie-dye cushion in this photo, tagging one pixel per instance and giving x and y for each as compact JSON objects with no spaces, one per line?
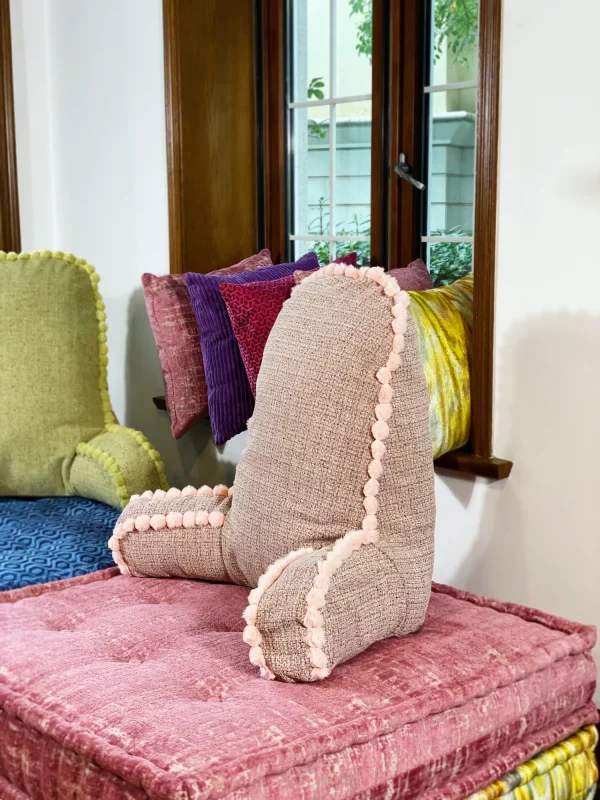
{"x":444,"y":319}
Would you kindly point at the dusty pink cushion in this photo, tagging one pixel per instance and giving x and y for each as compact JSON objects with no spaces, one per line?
{"x":122,"y":688}
{"x":253,"y":309}
{"x":178,"y":341}
{"x":413,"y":278}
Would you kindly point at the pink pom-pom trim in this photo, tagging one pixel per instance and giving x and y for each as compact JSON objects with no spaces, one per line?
{"x":158,"y":522}
{"x":114,"y":544}
{"x":383,"y":411}
{"x":371,"y":504}
{"x":378,"y":449}
{"x":265,"y":582}
{"x":316,"y":597}
{"x":174,"y":519}
{"x":384,"y":375}
{"x":375,"y":468}
{"x":380,"y":430}
{"x":394,"y":361}
{"x":371,"y":487}
{"x":216,"y":519}
{"x":142,"y":523}
{"x":398,"y":343}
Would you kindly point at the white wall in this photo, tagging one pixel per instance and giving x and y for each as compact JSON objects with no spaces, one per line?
{"x":90,"y":125}
{"x":535,"y":538}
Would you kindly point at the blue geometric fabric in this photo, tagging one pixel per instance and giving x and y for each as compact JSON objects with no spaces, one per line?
{"x":52,"y":538}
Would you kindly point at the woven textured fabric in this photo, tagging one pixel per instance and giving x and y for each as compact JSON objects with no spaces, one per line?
{"x":253,"y":309}
{"x":54,"y":403}
{"x":332,"y":513}
{"x":178,"y":342}
{"x":230,"y":399}
{"x":444,"y":319}
{"x":53,"y":538}
{"x":120,"y":688}
{"x":413,"y":278}
{"x":567,"y":771}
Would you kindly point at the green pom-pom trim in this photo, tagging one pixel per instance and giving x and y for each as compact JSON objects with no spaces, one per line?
{"x":147,"y":446}
{"x":108,"y":463}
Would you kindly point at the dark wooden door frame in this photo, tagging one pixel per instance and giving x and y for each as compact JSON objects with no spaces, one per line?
{"x":9,"y":192}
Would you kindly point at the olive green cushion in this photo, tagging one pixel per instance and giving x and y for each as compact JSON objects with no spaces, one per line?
{"x":58,"y":433}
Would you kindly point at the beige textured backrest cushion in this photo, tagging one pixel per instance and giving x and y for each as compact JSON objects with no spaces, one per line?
{"x":332,"y":513}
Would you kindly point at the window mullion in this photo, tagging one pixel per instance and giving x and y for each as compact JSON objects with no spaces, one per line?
{"x":332,"y":124}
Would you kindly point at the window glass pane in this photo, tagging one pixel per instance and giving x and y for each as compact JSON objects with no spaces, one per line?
{"x":310,"y":44}
{"x":354,"y":47}
{"x":454,"y":41}
{"x":449,"y":261}
{"x":322,"y":249}
{"x":309,"y":165}
{"x":353,"y":176}
{"x":451,"y":168}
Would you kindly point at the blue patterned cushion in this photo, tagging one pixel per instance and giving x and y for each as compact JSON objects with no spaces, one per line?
{"x":53,"y":538}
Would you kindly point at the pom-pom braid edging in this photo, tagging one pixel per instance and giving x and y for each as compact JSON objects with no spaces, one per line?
{"x":252,"y":636}
{"x":369,"y":534}
{"x":174,"y":519}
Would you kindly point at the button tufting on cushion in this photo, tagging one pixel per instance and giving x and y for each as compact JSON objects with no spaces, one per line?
{"x":152,"y":695}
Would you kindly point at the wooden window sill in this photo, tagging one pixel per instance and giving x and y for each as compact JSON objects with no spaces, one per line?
{"x":458,"y":461}
{"x":469,"y":464}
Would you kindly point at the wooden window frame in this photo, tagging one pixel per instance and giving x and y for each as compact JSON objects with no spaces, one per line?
{"x":9,"y":192}
{"x":397,"y":102}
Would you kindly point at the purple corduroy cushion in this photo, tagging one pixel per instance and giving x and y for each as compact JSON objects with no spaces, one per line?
{"x":230,"y":399}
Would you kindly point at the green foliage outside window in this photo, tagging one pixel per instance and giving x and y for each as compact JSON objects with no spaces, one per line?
{"x":455,"y":22}
{"x":358,"y":226}
{"x":449,"y":261}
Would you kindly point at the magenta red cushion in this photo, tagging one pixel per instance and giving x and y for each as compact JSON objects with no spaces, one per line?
{"x":119,"y":687}
{"x":177,"y":338}
{"x":253,"y":309}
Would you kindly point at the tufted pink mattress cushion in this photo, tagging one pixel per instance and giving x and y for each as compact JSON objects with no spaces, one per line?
{"x":115,"y":687}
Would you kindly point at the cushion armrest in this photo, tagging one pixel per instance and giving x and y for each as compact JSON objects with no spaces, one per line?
{"x":114,"y":465}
